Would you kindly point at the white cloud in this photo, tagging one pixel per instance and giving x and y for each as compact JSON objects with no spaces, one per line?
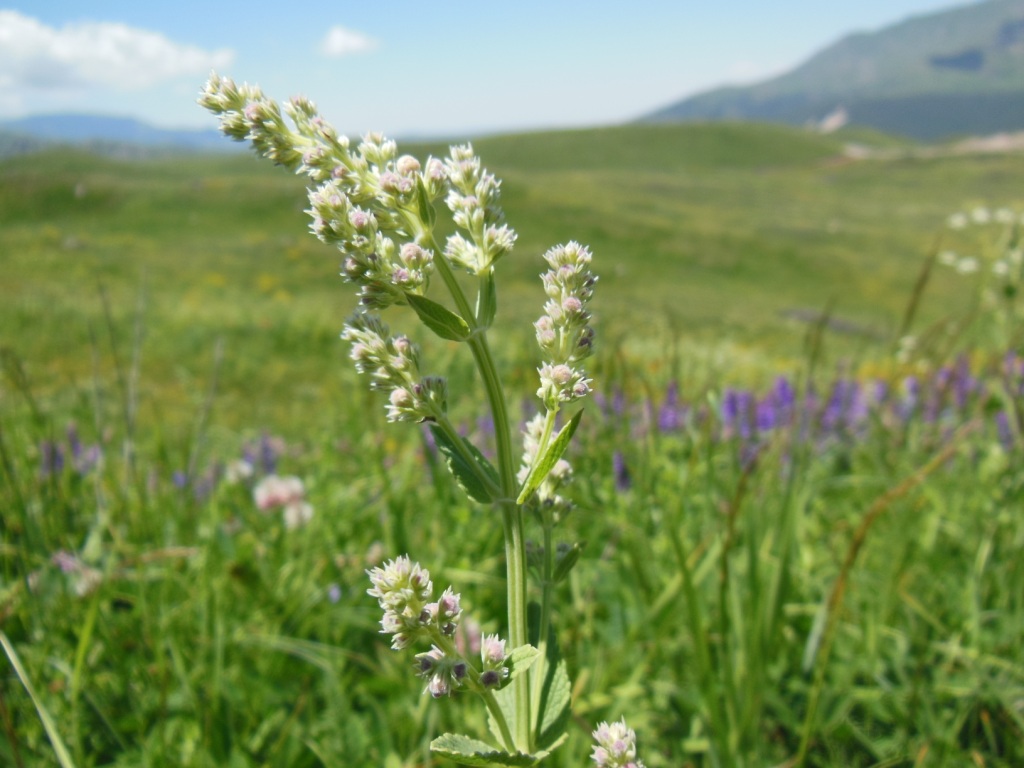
{"x":36,"y":57}
{"x":342,"y":42}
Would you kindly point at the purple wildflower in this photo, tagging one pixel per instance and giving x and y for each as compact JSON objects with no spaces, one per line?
{"x":964,"y":384}
{"x":51,"y":459}
{"x":1005,"y":430}
{"x":623,"y":480}
{"x":671,"y":414}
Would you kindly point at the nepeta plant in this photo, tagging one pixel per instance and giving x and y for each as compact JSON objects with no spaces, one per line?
{"x":379,"y":209}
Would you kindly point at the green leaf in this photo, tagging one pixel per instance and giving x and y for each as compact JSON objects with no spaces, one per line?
{"x":565,"y":561}
{"x":814,"y":639}
{"x":469,"y":751}
{"x":549,"y":739}
{"x":470,"y":477}
{"x":554,"y":706}
{"x":556,"y":689}
{"x":550,"y":458}
{"x":520,"y":660}
{"x":438,"y":318}
{"x":426,"y":208}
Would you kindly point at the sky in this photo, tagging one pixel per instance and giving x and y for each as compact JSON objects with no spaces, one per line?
{"x":414,"y":69}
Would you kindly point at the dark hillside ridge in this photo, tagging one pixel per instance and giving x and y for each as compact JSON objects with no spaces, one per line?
{"x":104,"y":134}
{"x":936,"y":76}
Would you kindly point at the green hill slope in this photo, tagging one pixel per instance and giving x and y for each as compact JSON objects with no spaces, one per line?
{"x":703,"y":234}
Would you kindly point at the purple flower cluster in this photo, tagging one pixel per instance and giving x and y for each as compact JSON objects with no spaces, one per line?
{"x":259,"y":458}
{"x":843,"y":413}
{"x":55,"y":456}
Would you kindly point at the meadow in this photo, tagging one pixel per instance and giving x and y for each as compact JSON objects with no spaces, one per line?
{"x":803,"y":531}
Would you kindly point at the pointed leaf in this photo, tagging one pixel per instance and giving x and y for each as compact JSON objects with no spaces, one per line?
{"x":554,"y":706}
{"x":472,"y":479}
{"x":469,"y":751}
{"x":520,"y":660}
{"x":814,"y":638}
{"x":426,"y":208}
{"x":439,"y":318}
{"x":550,"y":458}
{"x":565,"y":562}
{"x":556,"y":689}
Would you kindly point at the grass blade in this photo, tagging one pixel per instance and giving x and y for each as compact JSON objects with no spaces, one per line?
{"x":51,"y":729}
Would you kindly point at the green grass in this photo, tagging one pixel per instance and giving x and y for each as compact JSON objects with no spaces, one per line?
{"x":176,"y":309}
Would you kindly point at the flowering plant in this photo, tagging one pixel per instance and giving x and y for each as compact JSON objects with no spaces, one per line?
{"x":379,"y":209}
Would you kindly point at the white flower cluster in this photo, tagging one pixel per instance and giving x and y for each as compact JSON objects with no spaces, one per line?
{"x":616,"y":746}
{"x":1004,"y":256}
{"x":393,"y":364}
{"x":403,"y":589}
{"x":368,"y":202}
{"x":287,"y":494}
{"x":473,"y":201}
{"x":564,"y":333}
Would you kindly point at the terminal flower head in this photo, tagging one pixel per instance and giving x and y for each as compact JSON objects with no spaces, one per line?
{"x":404,"y":589}
{"x":616,"y":746}
{"x":564,"y":333}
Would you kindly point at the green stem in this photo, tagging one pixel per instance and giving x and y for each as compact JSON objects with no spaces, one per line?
{"x":499,"y":717}
{"x":539,"y":670}
{"x":511,"y":513}
{"x":515,"y":555}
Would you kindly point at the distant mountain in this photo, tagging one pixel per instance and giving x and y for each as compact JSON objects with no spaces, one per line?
{"x":955,"y":72}
{"x":107,"y":134}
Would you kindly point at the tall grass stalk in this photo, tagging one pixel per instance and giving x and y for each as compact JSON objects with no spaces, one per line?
{"x":52,"y":732}
{"x":819,"y":646}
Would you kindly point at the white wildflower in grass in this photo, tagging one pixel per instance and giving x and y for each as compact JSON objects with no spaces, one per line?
{"x":274,"y":491}
{"x":564,"y":333}
{"x":958,"y":221}
{"x":238,"y":470}
{"x":84,"y":578}
{"x":967,"y":265}
{"x":1004,"y":216}
{"x":473,"y":201}
{"x":616,"y":746}
{"x":393,"y":365}
{"x":287,"y":494}
{"x":997,"y":238}
{"x":297,"y":514}
{"x":379,"y":209}
{"x":365,"y":201}
{"x":403,"y":589}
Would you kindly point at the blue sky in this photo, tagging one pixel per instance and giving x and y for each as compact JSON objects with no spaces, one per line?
{"x":414,"y":68}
